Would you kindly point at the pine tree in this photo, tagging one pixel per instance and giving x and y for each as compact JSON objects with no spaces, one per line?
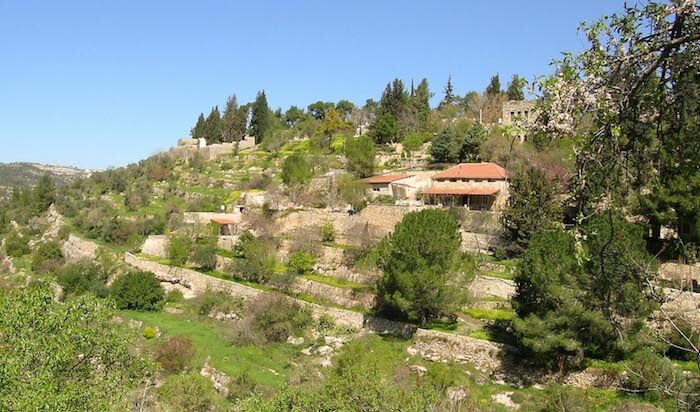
{"x":234,"y":121}
{"x":449,"y":93}
{"x":260,"y":118}
{"x":515,"y":88}
{"x":494,"y":87}
{"x":213,"y":126}
{"x":420,"y":100}
{"x":197,"y":132}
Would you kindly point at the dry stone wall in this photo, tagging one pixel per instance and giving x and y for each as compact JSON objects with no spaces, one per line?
{"x":339,"y":296}
{"x":156,"y":245}
{"x":485,"y":286}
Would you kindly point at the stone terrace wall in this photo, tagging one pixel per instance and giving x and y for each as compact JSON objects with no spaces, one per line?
{"x":156,"y":245}
{"x":198,"y":283}
{"x":339,"y":296}
{"x":485,"y":286}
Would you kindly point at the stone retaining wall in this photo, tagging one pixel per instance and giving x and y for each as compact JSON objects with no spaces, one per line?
{"x":199,"y":282}
{"x":339,"y":296}
{"x":485,"y":286}
{"x":156,"y":245}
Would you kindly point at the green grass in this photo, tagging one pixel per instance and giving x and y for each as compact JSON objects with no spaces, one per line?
{"x":490,"y":314}
{"x":209,"y":338}
{"x":338,"y":283}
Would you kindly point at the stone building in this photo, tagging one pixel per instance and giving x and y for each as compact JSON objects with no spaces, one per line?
{"x":520,"y":113}
{"x":384,"y":184}
{"x":475,"y":186}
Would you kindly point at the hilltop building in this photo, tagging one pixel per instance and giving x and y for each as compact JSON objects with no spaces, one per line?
{"x":521,"y":113}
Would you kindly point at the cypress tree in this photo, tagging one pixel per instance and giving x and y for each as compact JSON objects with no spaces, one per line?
{"x":260,"y":118}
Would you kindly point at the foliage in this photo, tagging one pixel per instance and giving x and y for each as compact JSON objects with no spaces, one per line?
{"x":138,"y":290}
{"x":582,"y":299}
{"x":327,"y":232}
{"x":260,"y":118}
{"x":242,"y":245}
{"x":62,"y":357}
{"x":279,"y":318}
{"x":384,"y":130}
{"x":234,"y":121}
{"x":515,"y":88}
{"x":179,"y":249}
{"x":175,"y":354}
{"x":16,"y":245}
{"x":532,"y":207}
{"x":47,"y":257}
{"x":259,"y":263}
{"x":301,"y":263}
{"x":204,"y":253}
{"x":190,"y":392}
{"x":352,"y":191}
{"x":360,"y":153}
{"x":83,"y":277}
{"x":458,"y":143}
{"x":296,"y":170}
{"x":419,"y":261}
{"x":218,"y":301}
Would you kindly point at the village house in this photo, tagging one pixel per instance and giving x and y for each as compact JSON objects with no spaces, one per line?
{"x":475,"y":186}
{"x":385,"y":184}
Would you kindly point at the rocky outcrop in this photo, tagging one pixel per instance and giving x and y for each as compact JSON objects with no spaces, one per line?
{"x":55,"y":221}
{"x":75,"y":249}
{"x":487,"y":286}
{"x":220,"y":380}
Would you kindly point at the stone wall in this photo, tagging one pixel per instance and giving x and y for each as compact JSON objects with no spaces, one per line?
{"x":330,"y":263}
{"x":75,"y":249}
{"x":487,"y":286}
{"x":477,"y":242}
{"x":339,"y":296}
{"x":197,"y":283}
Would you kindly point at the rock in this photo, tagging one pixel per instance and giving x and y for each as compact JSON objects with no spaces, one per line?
{"x":219,"y":379}
{"x":307,"y":351}
{"x":457,"y":394}
{"x":325,"y":362}
{"x":135,"y":324}
{"x":418,"y":369}
{"x":334,"y":341}
{"x":295,"y":341}
{"x":324,"y":350}
{"x":505,"y":400}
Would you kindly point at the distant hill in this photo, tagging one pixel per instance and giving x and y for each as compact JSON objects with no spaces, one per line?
{"x":19,"y":174}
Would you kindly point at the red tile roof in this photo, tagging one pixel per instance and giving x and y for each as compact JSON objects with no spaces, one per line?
{"x":474,"y":191}
{"x":387,"y":178}
{"x":473,"y":171}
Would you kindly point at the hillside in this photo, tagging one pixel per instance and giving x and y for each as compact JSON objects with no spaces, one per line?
{"x":28,"y":174}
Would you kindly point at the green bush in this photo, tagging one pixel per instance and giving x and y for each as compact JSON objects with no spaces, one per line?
{"x":16,"y":245}
{"x":174,"y":296}
{"x":179,"y":250}
{"x":204,"y":254}
{"x":327,"y":232}
{"x":149,"y":332}
{"x":83,"y":277}
{"x":244,"y":240}
{"x":300,"y":263}
{"x":138,"y":291}
{"x":191,"y":392}
{"x":47,"y":257}
{"x":218,"y":301}
{"x":280,"y":318}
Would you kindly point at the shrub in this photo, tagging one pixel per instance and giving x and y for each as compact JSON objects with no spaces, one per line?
{"x":300,"y":263}
{"x":47,"y":257}
{"x":327,"y":232}
{"x":83,"y":277}
{"x":179,"y":250}
{"x":239,"y":249}
{"x":281,"y":318}
{"x":149,"y":332}
{"x":204,"y":255}
{"x":174,"y":296}
{"x":16,"y":245}
{"x":649,"y":371}
{"x":174,"y":354}
{"x":138,"y":291}
{"x":219,"y":301}
{"x":191,"y":392}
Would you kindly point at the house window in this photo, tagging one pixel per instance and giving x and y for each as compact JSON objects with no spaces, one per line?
{"x":376,"y":189}
{"x":453,"y":180}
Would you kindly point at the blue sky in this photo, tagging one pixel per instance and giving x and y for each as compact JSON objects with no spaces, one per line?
{"x":106,"y":83}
